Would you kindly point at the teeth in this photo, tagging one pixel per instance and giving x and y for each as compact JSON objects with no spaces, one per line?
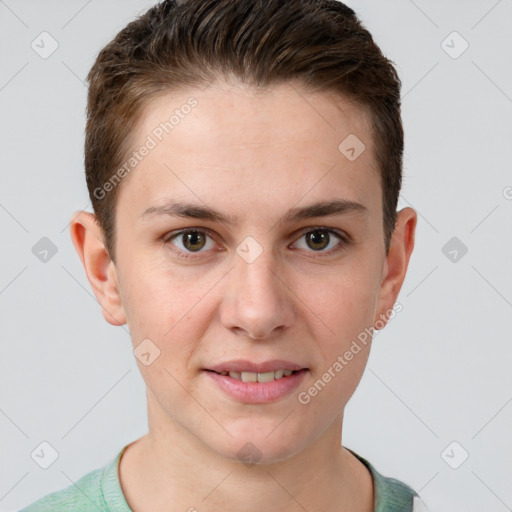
{"x":258,"y":377}
{"x":265,"y":377}
{"x":249,"y":377}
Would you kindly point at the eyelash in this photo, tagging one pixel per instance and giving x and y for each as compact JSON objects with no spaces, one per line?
{"x":342,"y":237}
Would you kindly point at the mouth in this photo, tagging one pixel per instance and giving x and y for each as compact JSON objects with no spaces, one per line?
{"x":259,"y":376}
{"x":256,"y":383}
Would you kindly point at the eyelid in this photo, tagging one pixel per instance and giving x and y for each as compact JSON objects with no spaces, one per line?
{"x":342,"y":234}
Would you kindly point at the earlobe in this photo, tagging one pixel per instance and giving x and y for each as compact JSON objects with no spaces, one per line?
{"x":397,"y":261}
{"x":100,"y":269}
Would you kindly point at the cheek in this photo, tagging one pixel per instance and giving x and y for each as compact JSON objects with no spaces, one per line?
{"x":348,"y":307}
{"x":333,"y":383}
{"x":341,"y":380}
{"x":174,"y":319}
{"x":345,"y":304}
{"x":156,"y":300}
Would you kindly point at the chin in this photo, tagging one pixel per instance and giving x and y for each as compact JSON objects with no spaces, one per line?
{"x":258,"y":449}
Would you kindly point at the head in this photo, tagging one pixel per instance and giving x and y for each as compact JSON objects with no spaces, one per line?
{"x":234,"y":118}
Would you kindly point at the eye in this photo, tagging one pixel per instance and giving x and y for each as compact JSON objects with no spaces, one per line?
{"x":192,"y":240}
{"x":321,"y":238}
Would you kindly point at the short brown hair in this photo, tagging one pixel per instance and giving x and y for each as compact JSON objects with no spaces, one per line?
{"x":320,"y":44}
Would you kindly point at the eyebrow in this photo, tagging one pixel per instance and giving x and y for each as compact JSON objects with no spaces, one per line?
{"x":319,"y":209}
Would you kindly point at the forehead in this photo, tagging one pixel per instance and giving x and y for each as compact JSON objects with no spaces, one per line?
{"x":281,"y":143}
{"x":234,"y":113}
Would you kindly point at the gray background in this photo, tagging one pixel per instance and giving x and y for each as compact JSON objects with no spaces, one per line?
{"x":439,"y":373}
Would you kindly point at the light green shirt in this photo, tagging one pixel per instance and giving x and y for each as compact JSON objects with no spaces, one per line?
{"x":100,"y":491}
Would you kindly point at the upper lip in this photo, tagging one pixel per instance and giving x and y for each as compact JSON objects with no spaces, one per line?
{"x":242,"y":365}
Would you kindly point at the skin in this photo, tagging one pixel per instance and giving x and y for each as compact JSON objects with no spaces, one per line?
{"x":253,"y":156}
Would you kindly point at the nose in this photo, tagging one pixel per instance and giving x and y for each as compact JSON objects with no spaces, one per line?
{"x":258,"y":302}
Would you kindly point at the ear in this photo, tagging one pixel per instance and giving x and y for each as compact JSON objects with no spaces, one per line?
{"x":87,"y":238}
{"x":397,"y":260}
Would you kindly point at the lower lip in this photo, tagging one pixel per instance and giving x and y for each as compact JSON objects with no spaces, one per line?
{"x":257,"y":392}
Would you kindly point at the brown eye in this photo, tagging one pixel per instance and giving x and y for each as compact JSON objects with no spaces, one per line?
{"x":193,"y":240}
{"x":190,"y":241}
{"x":318,"y":239}
{"x":323,"y":240}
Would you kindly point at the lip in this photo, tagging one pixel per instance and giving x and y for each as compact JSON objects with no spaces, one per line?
{"x":257,"y":392}
{"x":242,"y":365}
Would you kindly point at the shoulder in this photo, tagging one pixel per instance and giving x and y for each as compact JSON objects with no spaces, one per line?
{"x":97,"y":491}
{"x":82,"y":496}
{"x":391,"y":494}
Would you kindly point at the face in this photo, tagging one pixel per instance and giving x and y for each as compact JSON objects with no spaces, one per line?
{"x":267,"y":276}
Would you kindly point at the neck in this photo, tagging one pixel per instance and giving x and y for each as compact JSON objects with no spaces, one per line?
{"x":171,"y":469}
